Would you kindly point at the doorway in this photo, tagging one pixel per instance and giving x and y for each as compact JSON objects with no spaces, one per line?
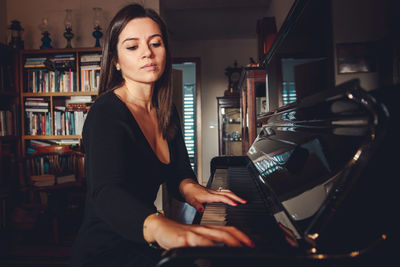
{"x":189,"y":101}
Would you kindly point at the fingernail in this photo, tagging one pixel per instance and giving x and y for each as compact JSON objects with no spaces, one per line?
{"x":244,"y":201}
{"x":234,"y":204}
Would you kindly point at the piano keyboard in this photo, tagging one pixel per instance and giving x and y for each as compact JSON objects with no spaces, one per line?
{"x":253,"y":218}
{"x":215,"y":213}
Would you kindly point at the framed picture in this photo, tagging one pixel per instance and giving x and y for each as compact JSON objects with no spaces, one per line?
{"x":356,"y":57}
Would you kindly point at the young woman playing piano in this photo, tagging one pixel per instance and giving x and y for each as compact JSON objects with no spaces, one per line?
{"x":133,"y":143}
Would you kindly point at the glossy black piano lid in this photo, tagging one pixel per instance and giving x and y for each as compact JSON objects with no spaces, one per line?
{"x":310,"y":156}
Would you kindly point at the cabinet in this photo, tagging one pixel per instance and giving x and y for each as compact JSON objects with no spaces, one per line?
{"x":57,"y":87}
{"x":9,"y":141}
{"x":253,"y":102}
{"x":229,"y":126}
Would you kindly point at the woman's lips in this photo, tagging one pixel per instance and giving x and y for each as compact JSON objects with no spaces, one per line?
{"x":149,"y":67}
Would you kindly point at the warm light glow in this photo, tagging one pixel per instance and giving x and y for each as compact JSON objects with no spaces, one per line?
{"x":357,"y":155}
{"x":354,"y":253}
{"x":313,"y":236}
{"x":320,"y":256}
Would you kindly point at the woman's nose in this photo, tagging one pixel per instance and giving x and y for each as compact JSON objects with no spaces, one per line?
{"x":147,"y":52}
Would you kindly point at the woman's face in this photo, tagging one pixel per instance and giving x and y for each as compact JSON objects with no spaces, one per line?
{"x":141,"y":51}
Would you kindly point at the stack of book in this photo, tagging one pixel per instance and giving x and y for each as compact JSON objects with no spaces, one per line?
{"x":55,"y":74}
{"x":50,"y":169}
{"x":37,"y":116}
{"x":69,"y":119}
{"x":35,"y":62}
{"x":90,"y":72}
{"x":36,"y":104}
{"x":63,"y":61}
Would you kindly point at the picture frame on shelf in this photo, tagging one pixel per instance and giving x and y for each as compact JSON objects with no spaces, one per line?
{"x":356,"y":57}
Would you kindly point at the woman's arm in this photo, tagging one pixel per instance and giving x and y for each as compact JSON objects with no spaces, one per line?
{"x":106,"y":137}
{"x":170,"y":234}
{"x":184,"y":183}
{"x":196,"y":194}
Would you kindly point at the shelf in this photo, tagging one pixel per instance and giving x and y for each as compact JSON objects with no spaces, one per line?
{"x":56,"y":186}
{"x":8,"y":138}
{"x":62,"y":50}
{"x":52,"y":137}
{"x":8,"y":93}
{"x":83,"y":82}
{"x":59,"y":94}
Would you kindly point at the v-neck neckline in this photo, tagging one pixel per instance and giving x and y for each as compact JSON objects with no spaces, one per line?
{"x":143,"y":135}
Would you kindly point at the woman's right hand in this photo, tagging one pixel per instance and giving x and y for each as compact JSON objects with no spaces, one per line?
{"x":170,"y":234}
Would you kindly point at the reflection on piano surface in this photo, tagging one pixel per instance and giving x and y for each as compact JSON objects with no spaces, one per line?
{"x":312,"y":183}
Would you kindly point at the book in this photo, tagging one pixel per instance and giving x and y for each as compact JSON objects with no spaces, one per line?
{"x":79,"y":99}
{"x":43,"y":180}
{"x":91,"y":58}
{"x":66,"y":178}
{"x":37,"y":109}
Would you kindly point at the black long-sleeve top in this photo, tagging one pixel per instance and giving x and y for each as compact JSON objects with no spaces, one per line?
{"x":123,"y":176}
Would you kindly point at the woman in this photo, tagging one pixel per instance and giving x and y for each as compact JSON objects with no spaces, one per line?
{"x":133,"y":143}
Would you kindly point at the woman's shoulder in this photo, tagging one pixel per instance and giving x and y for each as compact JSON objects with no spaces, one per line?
{"x":107,"y":106}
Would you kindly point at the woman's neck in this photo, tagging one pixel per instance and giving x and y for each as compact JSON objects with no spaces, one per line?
{"x":139,"y":95}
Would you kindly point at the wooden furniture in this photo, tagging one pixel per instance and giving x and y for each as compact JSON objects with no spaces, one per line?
{"x":57,"y":87}
{"x":253,"y":103}
{"x":229,"y":131}
{"x":266,"y":32}
{"x":9,"y":140}
{"x":55,"y":175}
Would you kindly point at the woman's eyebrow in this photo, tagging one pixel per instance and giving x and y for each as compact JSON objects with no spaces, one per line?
{"x":135,"y":38}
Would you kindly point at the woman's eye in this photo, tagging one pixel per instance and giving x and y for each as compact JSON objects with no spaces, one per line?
{"x":158,"y":44}
{"x":134,"y":47}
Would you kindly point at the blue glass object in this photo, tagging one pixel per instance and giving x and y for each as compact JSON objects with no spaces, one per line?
{"x":97,"y":34}
{"x":46,"y":41}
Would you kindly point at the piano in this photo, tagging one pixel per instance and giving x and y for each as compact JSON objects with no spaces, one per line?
{"x":320,"y":178}
{"x":318,"y":183}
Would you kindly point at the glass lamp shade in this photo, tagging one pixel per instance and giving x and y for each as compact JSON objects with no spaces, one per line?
{"x":44,"y":26}
{"x":68,"y":19}
{"x":44,"y":29}
{"x":97,"y":17}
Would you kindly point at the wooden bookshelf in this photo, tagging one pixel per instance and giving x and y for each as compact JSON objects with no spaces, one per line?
{"x":50,"y":80}
{"x":9,"y":134}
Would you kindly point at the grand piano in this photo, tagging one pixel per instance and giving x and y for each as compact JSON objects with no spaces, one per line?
{"x":320,"y":181}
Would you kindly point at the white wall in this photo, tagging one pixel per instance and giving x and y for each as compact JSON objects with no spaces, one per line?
{"x":30,"y":14}
{"x":215,"y":56}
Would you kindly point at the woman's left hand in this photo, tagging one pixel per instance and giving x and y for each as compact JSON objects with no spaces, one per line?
{"x":196,"y":194}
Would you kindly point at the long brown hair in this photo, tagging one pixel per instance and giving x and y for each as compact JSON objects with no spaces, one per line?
{"x":111,"y":79}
